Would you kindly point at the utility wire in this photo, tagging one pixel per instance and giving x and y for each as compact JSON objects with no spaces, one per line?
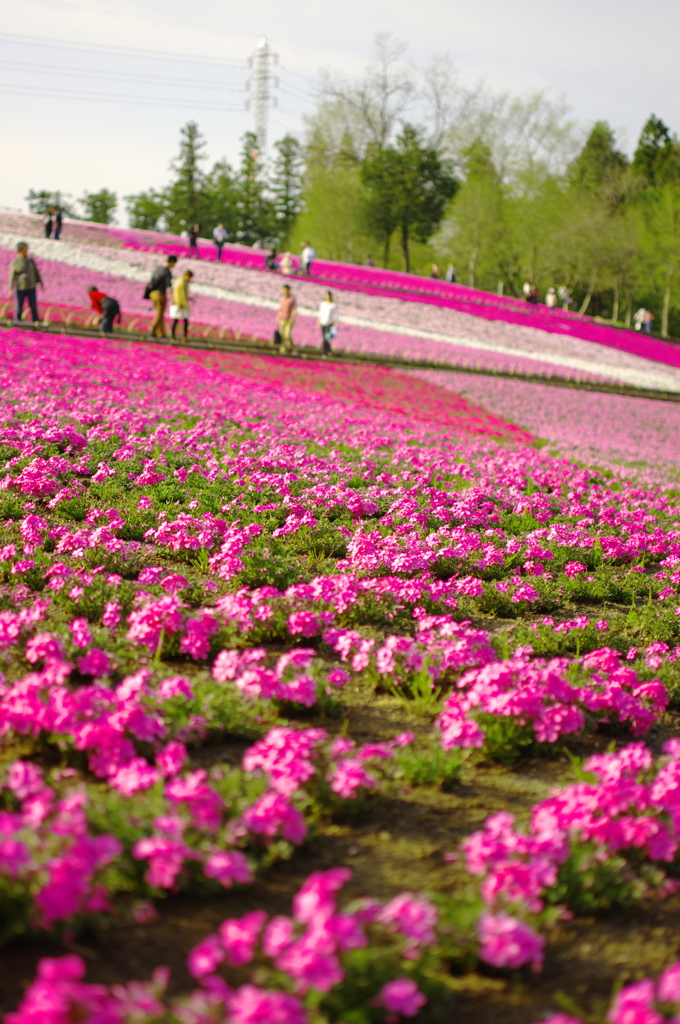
{"x":125,"y":51}
{"x":21,"y":90}
{"x":116,"y":76}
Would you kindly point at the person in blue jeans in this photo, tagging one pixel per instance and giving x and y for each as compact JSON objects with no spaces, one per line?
{"x":24,"y":278}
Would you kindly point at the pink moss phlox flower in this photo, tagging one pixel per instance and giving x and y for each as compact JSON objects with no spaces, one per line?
{"x":239,"y":935}
{"x":507,"y":942}
{"x":401,"y":997}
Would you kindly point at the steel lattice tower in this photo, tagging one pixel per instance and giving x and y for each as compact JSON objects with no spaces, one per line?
{"x":261,"y":82}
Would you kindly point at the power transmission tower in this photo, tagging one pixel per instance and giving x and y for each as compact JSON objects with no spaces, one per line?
{"x":262,"y":81}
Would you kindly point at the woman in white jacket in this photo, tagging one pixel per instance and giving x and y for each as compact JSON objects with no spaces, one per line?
{"x":328,"y":318}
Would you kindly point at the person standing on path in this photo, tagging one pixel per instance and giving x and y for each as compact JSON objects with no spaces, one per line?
{"x":648,"y":322}
{"x":551,"y":298}
{"x":24,"y":278}
{"x":328,"y":318}
{"x":194,"y":232}
{"x":157,"y":290}
{"x":221,"y":235}
{"x":57,"y":224}
{"x":308,"y":256}
{"x":286,"y":317}
{"x":450,"y":275}
{"x":47,"y":222}
{"x":180,"y":302}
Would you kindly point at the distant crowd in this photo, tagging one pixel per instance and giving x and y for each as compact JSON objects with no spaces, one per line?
{"x":25,"y":278}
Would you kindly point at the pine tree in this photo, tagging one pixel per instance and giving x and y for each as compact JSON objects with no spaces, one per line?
{"x":186,"y":195}
{"x":254,"y":210}
{"x":286,"y":185}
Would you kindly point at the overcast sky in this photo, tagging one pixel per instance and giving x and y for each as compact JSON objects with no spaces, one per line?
{"x":79,"y":117}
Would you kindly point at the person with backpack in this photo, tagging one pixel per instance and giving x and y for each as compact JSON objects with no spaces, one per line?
{"x":180,"y":303}
{"x":24,"y":278}
{"x":157,"y":291}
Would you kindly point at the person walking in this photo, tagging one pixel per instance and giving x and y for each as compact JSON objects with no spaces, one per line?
{"x":57,"y":224}
{"x":308,"y":256}
{"x":157,"y":290}
{"x":369,"y":261}
{"x":286,"y":317}
{"x":434,"y":273}
{"x":180,"y":303}
{"x":648,"y":322}
{"x":24,"y":278}
{"x":551,"y":298}
{"x":220,"y":234}
{"x":450,"y":275}
{"x":564,"y":296}
{"x":328,"y":318}
{"x":532,"y":297}
{"x":110,"y":313}
{"x":194,"y":232}
{"x":47,"y":222}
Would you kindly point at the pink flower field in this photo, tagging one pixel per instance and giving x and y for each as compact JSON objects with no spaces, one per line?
{"x":331,"y":693}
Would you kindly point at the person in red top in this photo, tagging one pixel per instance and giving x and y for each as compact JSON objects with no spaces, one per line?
{"x":96,"y":299}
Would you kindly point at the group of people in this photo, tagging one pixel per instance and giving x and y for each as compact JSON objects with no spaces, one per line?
{"x":327,"y":321}
{"x":52,"y":222}
{"x":284,"y":263}
{"x":552,"y":296}
{"x":643,"y":320}
{"x":449,"y":276}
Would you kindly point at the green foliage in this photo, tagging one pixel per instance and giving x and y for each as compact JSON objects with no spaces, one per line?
{"x":100,"y":206}
{"x":408,"y":186}
{"x":186,"y":194}
{"x":40,"y":202}
{"x":286,"y":185}
{"x":145,"y":209}
{"x":430,"y":765}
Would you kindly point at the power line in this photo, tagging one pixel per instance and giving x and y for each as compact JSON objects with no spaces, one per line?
{"x":125,"y":51}
{"x":116,"y":75}
{"x":26,"y":90}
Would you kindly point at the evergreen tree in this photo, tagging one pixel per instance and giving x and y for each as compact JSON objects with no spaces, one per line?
{"x":39,"y":202}
{"x":286,"y":185}
{"x":657,"y":157}
{"x":186,"y":195}
{"x":471,"y":234}
{"x":254,"y":210}
{"x":145,"y":209}
{"x":100,"y":206}
{"x":423,"y":188}
{"x":599,"y":167}
{"x":222,"y":198}
{"x":380,"y":207}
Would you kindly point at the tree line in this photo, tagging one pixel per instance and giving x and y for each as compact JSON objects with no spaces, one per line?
{"x":408,"y":168}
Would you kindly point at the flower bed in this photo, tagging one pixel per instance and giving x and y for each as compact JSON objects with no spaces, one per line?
{"x":207,"y":575}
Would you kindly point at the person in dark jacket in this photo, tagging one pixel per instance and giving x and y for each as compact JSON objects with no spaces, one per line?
{"x":157,"y":290}
{"x":24,"y":278}
{"x":194,"y":232}
{"x":110,"y":313}
{"x":47,"y":222}
{"x":57,"y":224}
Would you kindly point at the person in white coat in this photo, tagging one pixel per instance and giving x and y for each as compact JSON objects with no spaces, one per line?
{"x":328,"y":319}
